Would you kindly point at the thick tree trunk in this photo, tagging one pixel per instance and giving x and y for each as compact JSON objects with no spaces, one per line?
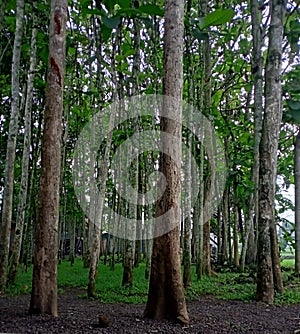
{"x":297,"y":202}
{"x":11,"y":149}
{"x":267,"y":243}
{"x":166,"y":294}
{"x":44,"y":281}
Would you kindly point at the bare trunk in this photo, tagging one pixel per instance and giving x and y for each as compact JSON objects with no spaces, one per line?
{"x":71,"y":229}
{"x":236,"y":237}
{"x":44,"y":281}
{"x":267,"y":243}
{"x":16,"y":249}
{"x":11,"y":149}
{"x":166,"y":294}
{"x":297,"y":202}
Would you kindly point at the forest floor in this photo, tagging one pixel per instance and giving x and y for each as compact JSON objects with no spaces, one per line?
{"x":207,"y":315}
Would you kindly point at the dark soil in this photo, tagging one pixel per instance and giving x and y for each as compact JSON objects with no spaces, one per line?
{"x":208,"y":315}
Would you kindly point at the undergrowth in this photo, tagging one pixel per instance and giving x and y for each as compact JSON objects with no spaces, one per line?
{"x":225,"y":285}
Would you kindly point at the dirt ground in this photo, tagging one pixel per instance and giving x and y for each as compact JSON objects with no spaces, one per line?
{"x":208,"y":315}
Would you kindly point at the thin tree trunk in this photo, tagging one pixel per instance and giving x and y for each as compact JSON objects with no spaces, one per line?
{"x":186,"y":255}
{"x":248,"y":254}
{"x":212,"y":175}
{"x":11,"y":148}
{"x":198,"y":219}
{"x":16,"y":249}
{"x":236,"y":237}
{"x":72,"y":232}
{"x":297,"y":202}
{"x":44,"y":280}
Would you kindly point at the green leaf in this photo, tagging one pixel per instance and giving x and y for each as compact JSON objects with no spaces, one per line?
{"x":295,"y":115}
{"x":200,"y":35}
{"x":109,"y":4}
{"x":218,"y":17}
{"x":295,"y":26}
{"x":111,"y":22}
{"x":123,"y":3}
{"x":105,"y":33}
{"x":151,"y":10}
{"x":294,"y":105}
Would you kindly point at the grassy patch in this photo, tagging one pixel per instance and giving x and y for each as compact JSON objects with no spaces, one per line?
{"x":228,"y":286}
{"x":225,"y":285}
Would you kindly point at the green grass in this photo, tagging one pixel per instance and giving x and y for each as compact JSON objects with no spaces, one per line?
{"x":225,"y":285}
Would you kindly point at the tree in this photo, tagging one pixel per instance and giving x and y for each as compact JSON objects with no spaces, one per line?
{"x":249,"y":245}
{"x":11,"y":148}
{"x":16,"y":247}
{"x":166,"y":295}
{"x":44,"y":281}
{"x":268,"y":259}
{"x":297,"y":202}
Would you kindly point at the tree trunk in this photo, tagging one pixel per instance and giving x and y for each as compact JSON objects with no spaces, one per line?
{"x":236,"y":237}
{"x":16,"y":249}
{"x":166,"y":294}
{"x":267,"y":243}
{"x":11,"y":149}
{"x":225,"y":222}
{"x":297,"y":202}
{"x":44,"y":281}
{"x":72,"y":232}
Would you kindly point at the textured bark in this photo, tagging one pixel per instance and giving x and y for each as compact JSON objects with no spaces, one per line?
{"x":297,"y":202}
{"x":186,"y":255}
{"x":236,"y":261}
{"x":131,"y":249}
{"x":225,"y":222}
{"x":96,"y":224}
{"x":249,"y":240}
{"x":198,"y":220}
{"x":16,"y":248}
{"x":127,"y":278}
{"x":267,"y":253}
{"x":44,"y":281}
{"x":166,"y":294}
{"x":11,"y":149}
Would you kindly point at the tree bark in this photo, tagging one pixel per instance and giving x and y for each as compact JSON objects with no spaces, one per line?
{"x":16,"y":248}
{"x":166,"y":294}
{"x":268,"y":261}
{"x":11,"y":148}
{"x":297,"y":202}
{"x":44,"y":281}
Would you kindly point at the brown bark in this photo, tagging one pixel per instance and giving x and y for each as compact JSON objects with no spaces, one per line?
{"x":44,"y":281}
{"x":166,"y":294}
{"x":268,"y":261}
